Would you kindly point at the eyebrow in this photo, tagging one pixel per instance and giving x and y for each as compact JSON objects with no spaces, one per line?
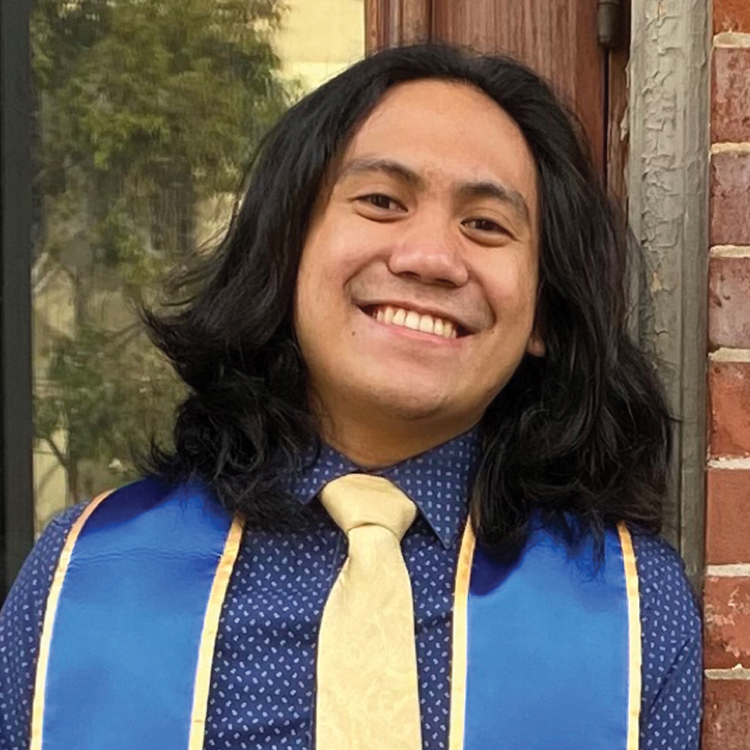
{"x":387,"y":166}
{"x":464,"y":191}
{"x":496,"y":191}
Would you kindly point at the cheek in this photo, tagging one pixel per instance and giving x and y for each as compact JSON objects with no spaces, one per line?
{"x":330,"y":254}
{"x":321,"y":296}
{"x":512,"y":292}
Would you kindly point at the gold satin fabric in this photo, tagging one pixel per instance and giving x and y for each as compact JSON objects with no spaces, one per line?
{"x":367,"y":687}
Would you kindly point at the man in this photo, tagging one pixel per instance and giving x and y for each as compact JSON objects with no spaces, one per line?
{"x":411,"y":381}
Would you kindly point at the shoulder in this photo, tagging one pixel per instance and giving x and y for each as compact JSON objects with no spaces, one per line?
{"x":23,"y":606}
{"x":23,"y":611}
{"x":671,"y":635}
{"x":20,"y":629}
{"x":668,"y":601}
{"x":36,"y":573}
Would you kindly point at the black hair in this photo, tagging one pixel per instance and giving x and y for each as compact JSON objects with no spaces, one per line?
{"x":579,"y":438}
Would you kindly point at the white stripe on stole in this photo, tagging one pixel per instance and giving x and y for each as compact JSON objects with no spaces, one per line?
{"x":634,"y":636}
{"x":460,"y":639}
{"x":48,"y":623}
{"x":208,"y":634}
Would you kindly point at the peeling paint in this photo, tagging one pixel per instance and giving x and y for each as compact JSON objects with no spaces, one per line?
{"x":668,"y":212}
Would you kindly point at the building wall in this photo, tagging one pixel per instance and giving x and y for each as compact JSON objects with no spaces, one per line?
{"x":318,"y":39}
{"x":727,"y":585}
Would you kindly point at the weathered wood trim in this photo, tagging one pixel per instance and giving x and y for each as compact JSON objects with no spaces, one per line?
{"x":389,"y":23}
{"x":616,"y":115}
{"x":557,"y":38}
{"x":668,"y":212}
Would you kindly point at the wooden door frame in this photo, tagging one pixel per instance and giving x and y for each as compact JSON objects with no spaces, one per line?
{"x":390,"y":23}
{"x":668,"y":188}
{"x":395,"y":22}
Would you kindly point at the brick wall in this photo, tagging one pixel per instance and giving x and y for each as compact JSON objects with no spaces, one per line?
{"x":727,"y":588}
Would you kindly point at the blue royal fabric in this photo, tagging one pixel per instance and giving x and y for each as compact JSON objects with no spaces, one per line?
{"x":548,"y":654}
{"x":126,"y":636}
{"x":127,"y":633}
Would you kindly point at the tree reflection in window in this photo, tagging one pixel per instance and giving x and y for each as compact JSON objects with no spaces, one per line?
{"x":146,"y":114}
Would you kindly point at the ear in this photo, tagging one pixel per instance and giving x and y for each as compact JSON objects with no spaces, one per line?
{"x":535,"y":344}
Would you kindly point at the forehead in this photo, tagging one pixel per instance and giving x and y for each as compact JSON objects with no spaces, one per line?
{"x":446,"y":130}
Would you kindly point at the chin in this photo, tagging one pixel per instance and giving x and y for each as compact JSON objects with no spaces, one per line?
{"x":408,"y":405}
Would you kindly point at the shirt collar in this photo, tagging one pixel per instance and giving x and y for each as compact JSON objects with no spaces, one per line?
{"x":438,"y":481}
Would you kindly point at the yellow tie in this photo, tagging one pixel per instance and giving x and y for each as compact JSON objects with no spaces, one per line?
{"x":367,"y":689}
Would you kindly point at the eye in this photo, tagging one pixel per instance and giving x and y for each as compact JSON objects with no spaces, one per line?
{"x":381,"y":201}
{"x":484,"y":225}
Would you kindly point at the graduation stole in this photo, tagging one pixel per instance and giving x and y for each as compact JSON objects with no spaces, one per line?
{"x":546,"y":652}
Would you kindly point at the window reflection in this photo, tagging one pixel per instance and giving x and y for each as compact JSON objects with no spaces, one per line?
{"x":146,"y":114}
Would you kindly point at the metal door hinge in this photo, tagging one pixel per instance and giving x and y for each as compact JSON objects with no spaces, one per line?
{"x":609,"y":23}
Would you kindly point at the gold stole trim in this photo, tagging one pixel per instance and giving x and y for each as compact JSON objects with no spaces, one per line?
{"x":460,"y":640}
{"x":208,"y":634}
{"x":53,"y":597}
{"x":634,"y":636}
{"x":210,"y":631}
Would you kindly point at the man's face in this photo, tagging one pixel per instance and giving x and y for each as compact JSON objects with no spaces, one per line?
{"x":417,"y":285}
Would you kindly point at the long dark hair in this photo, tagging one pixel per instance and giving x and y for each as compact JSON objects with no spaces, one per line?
{"x":579,"y":438}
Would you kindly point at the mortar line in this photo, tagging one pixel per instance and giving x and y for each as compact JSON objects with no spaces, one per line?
{"x":736,"y":570}
{"x":738,"y":147}
{"x":736,"y":673}
{"x":730,"y":251}
{"x":726,"y":354}
{"x":730,"y":463}
{"x":731,"y":39}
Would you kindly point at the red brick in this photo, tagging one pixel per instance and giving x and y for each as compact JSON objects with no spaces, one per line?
{"x":730,"y":100}
{"x":727,"y":615}
{"x":727,"y":517}
{"x":726,"y":723}
{"x":729,"y":413}
{"x":731,"y":15}
{"x":729,"y":303}
{"x":730,"y":198}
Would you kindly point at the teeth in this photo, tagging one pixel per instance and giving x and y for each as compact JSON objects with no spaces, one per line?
{"x":397,"y":316}
{"x":426,"y":324}
{"x":412,"y":320}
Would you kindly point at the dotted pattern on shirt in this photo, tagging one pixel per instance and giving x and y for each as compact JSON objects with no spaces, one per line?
{"x":20,"y":628}
{"x":269,"y":627}
{"x":263,"y":688}
{"x":671,"y":625}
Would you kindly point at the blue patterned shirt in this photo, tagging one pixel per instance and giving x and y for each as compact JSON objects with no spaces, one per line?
{"x":263,"y":689}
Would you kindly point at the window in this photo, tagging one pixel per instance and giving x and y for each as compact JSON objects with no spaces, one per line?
{"x":146,"y":114}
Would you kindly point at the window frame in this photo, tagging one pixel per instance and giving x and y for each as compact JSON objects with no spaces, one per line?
{"x":16,"y":251}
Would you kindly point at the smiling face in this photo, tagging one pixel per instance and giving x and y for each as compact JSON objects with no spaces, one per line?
{"x":416,"y":290}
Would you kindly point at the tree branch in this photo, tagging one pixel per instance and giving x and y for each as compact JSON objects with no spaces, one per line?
{"x":58,"y":453}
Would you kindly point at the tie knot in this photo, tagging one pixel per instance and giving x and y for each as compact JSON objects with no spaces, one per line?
{"x":361,"y":499}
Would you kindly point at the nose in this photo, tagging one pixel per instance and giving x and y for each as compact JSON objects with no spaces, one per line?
{"x":431,"y":253}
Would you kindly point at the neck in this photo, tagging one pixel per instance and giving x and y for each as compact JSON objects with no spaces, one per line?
{"x":374,"y":446}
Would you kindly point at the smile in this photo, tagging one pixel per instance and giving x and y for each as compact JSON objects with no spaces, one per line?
{"x":403,"y":318}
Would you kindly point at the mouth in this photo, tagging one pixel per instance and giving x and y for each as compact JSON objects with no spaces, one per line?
{"x":430,"y":323}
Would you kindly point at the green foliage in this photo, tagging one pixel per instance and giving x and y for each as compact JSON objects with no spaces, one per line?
{"x":146,"y":108}
{"x":110,"y":393}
